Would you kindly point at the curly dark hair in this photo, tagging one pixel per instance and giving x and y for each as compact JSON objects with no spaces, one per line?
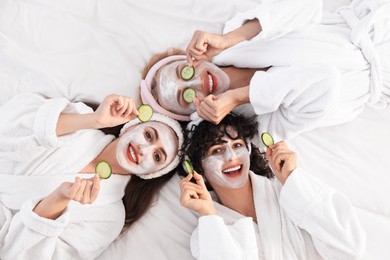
{"x":200,"y":138}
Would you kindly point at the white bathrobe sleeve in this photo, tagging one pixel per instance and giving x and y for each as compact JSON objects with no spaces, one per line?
{"x":30,"y":236}
{"x":289,"y":100}
{"x":30,"y":120}
{"x":325,"y":214}
{"x":213,"y":239}
{"x":279,"y":17}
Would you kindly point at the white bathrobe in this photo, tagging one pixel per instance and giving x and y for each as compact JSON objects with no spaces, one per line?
{"x":324,"y":67}
{"x":34,"y":161}
{"x":303,"y":219}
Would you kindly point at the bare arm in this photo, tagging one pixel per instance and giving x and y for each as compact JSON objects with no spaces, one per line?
{"x":84,"y":191}
{"x":204,"y":45}
{"x":113,"y":111}
{"x":215,"y":108}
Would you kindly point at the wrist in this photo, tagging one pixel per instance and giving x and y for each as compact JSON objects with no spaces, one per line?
{"x":209,"y":211}
{"x":52,"y":206}
{"x":240,"y":96}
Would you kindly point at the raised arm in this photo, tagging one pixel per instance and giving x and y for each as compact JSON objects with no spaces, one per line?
{"x":113,"y":111}
{"x":204,"y":45}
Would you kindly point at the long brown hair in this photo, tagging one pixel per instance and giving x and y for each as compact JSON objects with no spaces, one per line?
{"x":139,"y":193}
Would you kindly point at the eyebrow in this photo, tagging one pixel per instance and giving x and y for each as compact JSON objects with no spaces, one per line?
{"x":154,"y":132}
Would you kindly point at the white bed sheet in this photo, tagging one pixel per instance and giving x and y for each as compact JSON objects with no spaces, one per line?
{"x":84,"y":50}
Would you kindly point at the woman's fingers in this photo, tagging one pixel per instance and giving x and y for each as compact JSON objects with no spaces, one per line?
{"x":282,"y":160}
{"x":191,"y":186}
{"x":95,"y":188}
{"x":200,"y":181}
{"x":87,"y":192}
{"x":80,"y":192}
{"x":122,"y":105}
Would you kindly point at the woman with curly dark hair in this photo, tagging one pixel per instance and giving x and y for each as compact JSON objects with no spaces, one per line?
{"x":255,"y":215}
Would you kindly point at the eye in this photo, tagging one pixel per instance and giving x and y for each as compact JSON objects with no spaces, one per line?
{"x":216,"y":151}
{"x":148,"y":136}
{"x":237,"y":145}
{"x":187,"y":72}
{"x":157,"y":157}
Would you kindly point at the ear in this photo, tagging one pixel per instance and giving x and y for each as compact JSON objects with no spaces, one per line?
{"x":249,"y":144}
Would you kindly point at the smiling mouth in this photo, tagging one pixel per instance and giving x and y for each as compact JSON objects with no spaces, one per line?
{"x":132,"y":154}
{"x":233,"y":171}
{"x":212,"y":83}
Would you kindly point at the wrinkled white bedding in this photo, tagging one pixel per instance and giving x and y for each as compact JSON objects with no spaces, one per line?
{"x":84,"y":50}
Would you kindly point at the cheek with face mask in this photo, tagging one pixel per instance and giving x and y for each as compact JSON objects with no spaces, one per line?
{"x":230,"y":169}
{"x":134,"y":145}
{"x":170,"y":85}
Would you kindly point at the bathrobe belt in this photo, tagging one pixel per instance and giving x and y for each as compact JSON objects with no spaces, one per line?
{"x":365,"y":38}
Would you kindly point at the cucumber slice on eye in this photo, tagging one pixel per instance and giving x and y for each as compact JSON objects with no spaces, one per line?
{"x":187,"y":72}
{"x":187,"y":165}
{"x":104,"y":170}
{"x":145,"y":113}
{"x":189,"y":94}
{"x":267,"y":139}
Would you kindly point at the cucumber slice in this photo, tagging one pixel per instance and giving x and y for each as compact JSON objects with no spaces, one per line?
{"x":187,"y":72}
{"x":267,"y":139}
{"x":187,"y":165}
{"x":104,"y":170}
{"x":189,"y":94}
{"x":145,"y":113}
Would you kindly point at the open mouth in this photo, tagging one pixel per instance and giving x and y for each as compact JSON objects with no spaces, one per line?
{"x":132,"y":154}
{"x":212,"y":83}
{"x":233,"y":171}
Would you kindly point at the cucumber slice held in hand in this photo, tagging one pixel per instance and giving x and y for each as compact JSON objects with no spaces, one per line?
{"x":145,"y":113}
{"x":187,"y":72}
{"x":267,"y":139}
{"x":104,"y":170}
{"x":187,"y":165}
{"x":189,"y":94}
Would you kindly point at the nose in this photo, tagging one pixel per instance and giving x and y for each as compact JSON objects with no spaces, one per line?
{"x":144,"y":149}
{"x":229,"y":154}
{"x":195,"y":82}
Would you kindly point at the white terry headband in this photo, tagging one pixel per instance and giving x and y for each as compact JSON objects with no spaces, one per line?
{"x":146,"y":88}
{"x":179,"y":133}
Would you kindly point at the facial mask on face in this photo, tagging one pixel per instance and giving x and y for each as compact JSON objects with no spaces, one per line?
{"x":213,"y":165}
{"x":135,"y":153}
{"x":170,"y":84}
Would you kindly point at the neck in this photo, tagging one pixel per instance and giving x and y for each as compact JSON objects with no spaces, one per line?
{"x":240,"y":200}
{"x":239,"y":77}
{"x":109,"y":155}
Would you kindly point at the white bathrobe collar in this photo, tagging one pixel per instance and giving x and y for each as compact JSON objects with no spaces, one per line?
{"x":265,"y":196}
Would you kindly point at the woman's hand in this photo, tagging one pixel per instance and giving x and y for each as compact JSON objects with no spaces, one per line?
{"x":215,"y":108}
{"x":282,"y":160}
{"x":115,"y":110}
{"x":84,"y":191}
{"x":204,"y":46}
{"x":196,"y":196}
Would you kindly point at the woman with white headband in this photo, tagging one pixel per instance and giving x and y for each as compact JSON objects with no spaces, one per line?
{"x":49,"y":151}
{"x":254,"y":212}
{"x":298,"y":66}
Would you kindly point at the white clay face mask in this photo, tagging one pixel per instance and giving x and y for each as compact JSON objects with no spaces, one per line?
{"x":229,"y":169}
{"x":170,"y":85}
{"x":138,"y":151}
{"x":208,"y":79}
